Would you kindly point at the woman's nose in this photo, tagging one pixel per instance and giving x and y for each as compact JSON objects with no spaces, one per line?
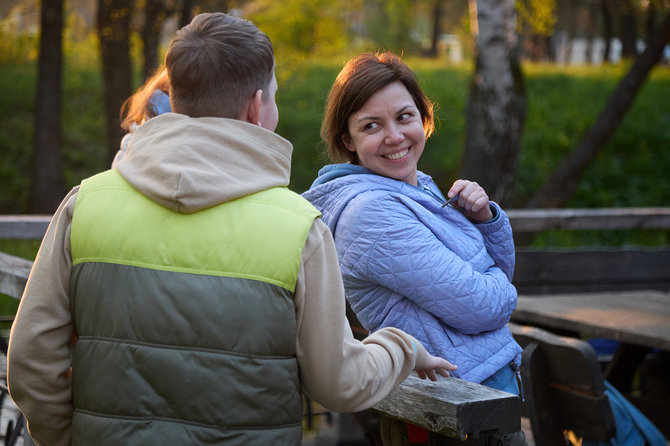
{"x":393,"y":135}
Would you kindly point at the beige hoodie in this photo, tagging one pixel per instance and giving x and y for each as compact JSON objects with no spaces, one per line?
{"x":189,"y":164}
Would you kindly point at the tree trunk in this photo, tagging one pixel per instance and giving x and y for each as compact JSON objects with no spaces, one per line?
{"x":572,"y":31}
{"x":496,"y":108}
{"x":628,"y":32}
{"x":650,"y":23}
{"x":590,"y":33}
{"x":48,"y":184}
{"x":155,"y":13}
{"x":607,"y":29}
{"x":437,"y":15}
{"x":113,"y":32}
{"x":187,"y":13}
{"x":562,"y":184}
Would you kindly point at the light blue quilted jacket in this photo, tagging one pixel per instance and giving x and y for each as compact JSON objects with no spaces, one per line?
{"x":410,"y":263}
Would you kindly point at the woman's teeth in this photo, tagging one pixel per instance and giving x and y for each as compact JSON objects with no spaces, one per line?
{"x":397,"y":156}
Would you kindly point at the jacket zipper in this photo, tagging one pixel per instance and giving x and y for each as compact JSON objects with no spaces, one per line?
{"x":517,"y":375}
{"x":430,"y":193}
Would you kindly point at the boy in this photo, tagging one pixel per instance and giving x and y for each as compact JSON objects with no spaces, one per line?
{"x":187,"y":296}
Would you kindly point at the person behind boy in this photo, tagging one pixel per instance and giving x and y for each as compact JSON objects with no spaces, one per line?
{"x":187,"y":296}
{"x":150,"y":100}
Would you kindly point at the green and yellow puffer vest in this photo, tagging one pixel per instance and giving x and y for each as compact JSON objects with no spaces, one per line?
{"x":186,"y":323}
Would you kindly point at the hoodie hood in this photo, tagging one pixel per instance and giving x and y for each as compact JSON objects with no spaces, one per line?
{"x":337,"y":184}
{"x":189,"y":164}
{"x":333,"y":171}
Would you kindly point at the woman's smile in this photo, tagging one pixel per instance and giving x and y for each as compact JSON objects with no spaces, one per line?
{"x":397,"y":155}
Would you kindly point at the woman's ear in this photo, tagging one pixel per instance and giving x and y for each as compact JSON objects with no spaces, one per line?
{"x":346,"y":139}
{"x":253,"y":110}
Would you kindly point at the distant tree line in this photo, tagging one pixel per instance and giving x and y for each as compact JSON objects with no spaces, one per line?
{"x":499,"y":32}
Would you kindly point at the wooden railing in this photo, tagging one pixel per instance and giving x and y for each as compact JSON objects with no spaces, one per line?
{"x":23,"y":227}
{"x":581,"y":269}
{"x":536,"y":220}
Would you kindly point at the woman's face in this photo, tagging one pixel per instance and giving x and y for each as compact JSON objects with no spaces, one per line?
{"x":387,"y":133}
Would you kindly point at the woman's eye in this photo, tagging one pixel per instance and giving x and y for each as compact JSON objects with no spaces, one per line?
{"x":404,"y":116}
{"x":370,"y":126}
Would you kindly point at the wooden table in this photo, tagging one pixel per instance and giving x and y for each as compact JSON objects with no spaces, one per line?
{"x":639,"y":320}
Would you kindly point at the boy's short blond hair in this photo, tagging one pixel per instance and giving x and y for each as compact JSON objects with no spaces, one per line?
{"x":216,"y":64}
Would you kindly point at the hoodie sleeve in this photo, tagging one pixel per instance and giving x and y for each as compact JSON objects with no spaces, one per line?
{"x":337,"y":371}
{"x":383,"y":242}
{"x":39,"y":359}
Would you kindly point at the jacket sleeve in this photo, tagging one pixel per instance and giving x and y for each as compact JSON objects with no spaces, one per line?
{"x":499,"y":241}
{"x":39,"y":360}
{"x":337,"y":371}
{"x":403,"y":255}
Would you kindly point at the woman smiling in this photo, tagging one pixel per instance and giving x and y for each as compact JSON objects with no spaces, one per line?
{"x":437,"y":267}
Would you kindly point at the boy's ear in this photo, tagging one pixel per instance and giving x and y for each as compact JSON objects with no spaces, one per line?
{"x":253,"y":110}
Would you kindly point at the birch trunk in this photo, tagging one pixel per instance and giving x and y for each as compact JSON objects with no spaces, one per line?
{"x":496,"y":109}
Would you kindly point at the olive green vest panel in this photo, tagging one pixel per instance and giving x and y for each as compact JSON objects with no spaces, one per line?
{"x":186,"y":323}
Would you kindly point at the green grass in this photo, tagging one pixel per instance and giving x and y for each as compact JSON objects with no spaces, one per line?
{"x":563,"y":102}
{"x":631,"y":170}
{"x":8,"y":307}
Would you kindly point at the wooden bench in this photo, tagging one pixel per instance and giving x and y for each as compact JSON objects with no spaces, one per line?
{"x":589,"y":273}
{"x":563,"y":387}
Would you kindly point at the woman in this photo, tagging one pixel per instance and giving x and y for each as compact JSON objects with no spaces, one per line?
{"x":439,"y":268}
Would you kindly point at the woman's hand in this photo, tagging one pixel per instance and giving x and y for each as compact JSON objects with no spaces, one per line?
{"x":435,"y":366}
{"x":472,"y":199}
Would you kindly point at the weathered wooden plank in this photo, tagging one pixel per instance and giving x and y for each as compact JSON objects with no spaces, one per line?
{"x":605,"y":269}
{"x":535,"y":220}
{"x":25,"y":227}
{"x":14,"y":273}
{"x":453,"y":407}
{"x":634,"y":317}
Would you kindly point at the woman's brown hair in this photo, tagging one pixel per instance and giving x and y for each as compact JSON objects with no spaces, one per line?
{"x":360,"y":78}
{"x":138,"y":108}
